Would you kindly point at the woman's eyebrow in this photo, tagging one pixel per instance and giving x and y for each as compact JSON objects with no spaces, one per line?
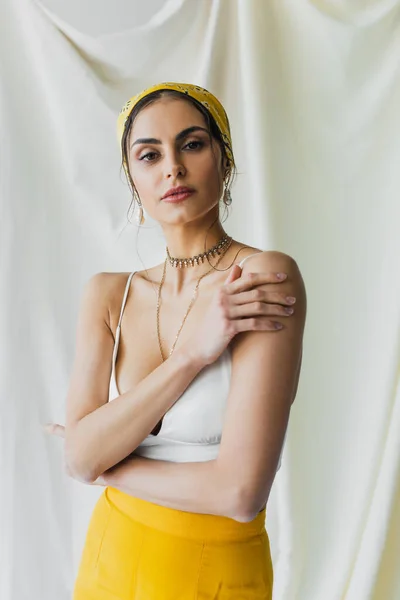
{"x":178,"y":137}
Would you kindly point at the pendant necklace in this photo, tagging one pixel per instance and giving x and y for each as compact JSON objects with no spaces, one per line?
{"x":223,"y":245}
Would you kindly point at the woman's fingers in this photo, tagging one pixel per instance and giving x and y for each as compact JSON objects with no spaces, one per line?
{"x":250,"y":280}
{"x":234,"y":273}
{"x":254,"y":309}
{"x":54,"y":429}
{"x":258,"y":295}
{"x":256,"y":324}
{"x":249,"y":307}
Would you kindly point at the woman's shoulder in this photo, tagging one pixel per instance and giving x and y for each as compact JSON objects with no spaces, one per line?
{"x":243,"y":251}
{"x":107,"y":289}
{"x":112,"y":284}
{"x":108,"y":283}
{"x":274,"y":261}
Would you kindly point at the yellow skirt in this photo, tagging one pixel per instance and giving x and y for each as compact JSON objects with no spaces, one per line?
{"x":137,"y":550}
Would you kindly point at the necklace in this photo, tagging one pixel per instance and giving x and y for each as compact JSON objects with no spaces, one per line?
{"x":190,"y":304}
{"x":195,"y":260}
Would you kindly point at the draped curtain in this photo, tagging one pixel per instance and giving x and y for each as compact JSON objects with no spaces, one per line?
{"x":312,"y":91}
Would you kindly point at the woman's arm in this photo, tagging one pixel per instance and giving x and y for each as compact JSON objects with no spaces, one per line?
{"x":265,"y":374}
{"x":189,"y":486}
{"x":183,"y":486}
{"x":99,"y":434}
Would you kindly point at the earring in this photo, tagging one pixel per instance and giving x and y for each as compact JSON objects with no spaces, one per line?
{"x":227,"y":197}
{"x":140,"y":217}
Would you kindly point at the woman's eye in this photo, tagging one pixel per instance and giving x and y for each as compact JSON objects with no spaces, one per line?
{"x":199,"y":145}
{"x":194,"y":145}
{"x":147,"y":155}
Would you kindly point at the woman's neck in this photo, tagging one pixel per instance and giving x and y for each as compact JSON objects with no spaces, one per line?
{"x":178,"y":278}
{"x":188,"y":243}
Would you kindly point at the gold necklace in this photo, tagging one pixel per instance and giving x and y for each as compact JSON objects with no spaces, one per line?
{"x":196,"y":260}
{"x":190,"y":305}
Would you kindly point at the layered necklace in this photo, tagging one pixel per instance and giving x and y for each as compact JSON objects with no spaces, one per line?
{"x":220,"y":249}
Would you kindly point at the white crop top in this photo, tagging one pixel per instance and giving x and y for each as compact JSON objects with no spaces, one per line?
{"x":191,"y":429}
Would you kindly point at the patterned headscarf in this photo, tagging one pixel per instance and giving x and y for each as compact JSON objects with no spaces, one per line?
{"x":211,"y":103}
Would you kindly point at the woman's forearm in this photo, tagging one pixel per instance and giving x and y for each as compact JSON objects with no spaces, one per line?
{"x":104,"y":437}
{"x":193,"y":487}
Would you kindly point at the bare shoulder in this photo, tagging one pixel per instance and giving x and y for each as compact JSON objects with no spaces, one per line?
{"x":268,"y":255}
{"x":293,"y":285}
{"x":272,"y":257}
{"x":275,"y":261}
{"x":107,"y":282}
{"x":104,"y":286}
{"x":109,"y":287}
{"x":112,"y":284}
{"x":105,"y":292}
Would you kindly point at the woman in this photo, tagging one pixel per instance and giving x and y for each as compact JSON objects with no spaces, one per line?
{"x":183,"y":512}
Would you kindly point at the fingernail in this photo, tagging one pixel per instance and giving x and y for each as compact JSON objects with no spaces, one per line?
{"x":281,"y":275}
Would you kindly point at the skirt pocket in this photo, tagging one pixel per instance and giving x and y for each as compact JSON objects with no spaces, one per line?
{"x":118,"y":555}
{"x":237,"y":570}
{"x":94,"y":537}
{"x":266,"y":566}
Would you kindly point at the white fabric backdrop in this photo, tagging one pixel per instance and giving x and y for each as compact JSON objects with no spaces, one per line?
{"x":313,"y":93}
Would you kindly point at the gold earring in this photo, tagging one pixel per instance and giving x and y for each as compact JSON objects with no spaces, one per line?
{"x":140,"y":217}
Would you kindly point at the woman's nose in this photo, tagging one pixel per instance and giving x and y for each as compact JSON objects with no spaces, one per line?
{"x":175,"y":171}
{"x":174,"y":167}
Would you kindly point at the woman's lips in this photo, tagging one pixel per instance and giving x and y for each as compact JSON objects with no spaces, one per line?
{"x":173,"y":198}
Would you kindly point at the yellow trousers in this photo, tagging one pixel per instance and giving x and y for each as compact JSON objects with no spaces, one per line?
{"x":137,"y":550}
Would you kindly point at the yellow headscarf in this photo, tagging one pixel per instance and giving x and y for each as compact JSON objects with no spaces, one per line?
{"x":205,"y":97}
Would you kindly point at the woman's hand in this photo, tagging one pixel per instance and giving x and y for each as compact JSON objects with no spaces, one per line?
{"x":55,"y":429}
{"x":238,"y":306}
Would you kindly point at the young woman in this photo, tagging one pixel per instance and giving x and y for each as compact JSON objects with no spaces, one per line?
{"x":200,"y":378}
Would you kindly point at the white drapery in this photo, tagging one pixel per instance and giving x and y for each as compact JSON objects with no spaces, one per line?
{"x":312,"y":91}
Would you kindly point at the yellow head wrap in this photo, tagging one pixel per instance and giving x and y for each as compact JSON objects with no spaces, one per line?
{"x":205,"y":97}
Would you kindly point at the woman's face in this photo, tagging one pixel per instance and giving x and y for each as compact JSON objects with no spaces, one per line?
{"x":164,"y":154}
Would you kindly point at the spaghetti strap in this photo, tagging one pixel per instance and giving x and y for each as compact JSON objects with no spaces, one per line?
{"x":125,"y":297}
{"x":118,"y":331}
{"x":246,"y":257}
